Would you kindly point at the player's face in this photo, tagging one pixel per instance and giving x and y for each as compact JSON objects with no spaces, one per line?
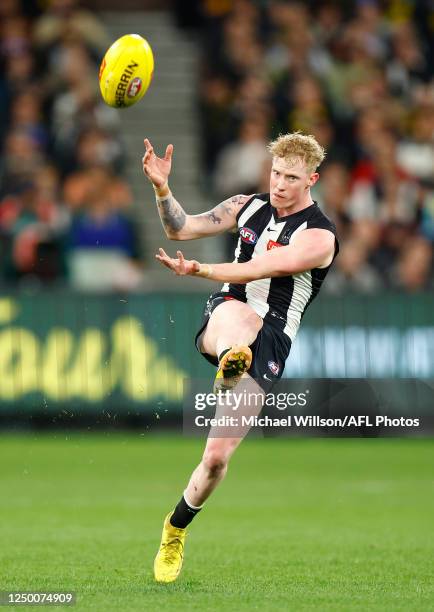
{"x":290,"y":183}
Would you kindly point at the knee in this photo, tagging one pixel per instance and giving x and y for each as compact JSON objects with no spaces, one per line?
{"x":254,"y":321}
{"x":215,"y":462}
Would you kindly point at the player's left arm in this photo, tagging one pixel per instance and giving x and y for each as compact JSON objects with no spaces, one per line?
{"x":312,"y":248}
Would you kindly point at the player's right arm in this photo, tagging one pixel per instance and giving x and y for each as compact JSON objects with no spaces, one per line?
{"x":177,"y":224}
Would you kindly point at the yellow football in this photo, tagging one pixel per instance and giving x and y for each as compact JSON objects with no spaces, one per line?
{"x":126,"y":71}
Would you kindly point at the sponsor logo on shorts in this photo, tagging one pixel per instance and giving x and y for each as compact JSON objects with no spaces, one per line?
{"x":274,"y":367}
{"x":248,"y":235}
{"x":134,"y":87}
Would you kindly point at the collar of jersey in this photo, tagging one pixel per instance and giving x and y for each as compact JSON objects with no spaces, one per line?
{"x":299,"y":213}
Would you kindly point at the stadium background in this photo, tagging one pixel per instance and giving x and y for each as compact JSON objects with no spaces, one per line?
{"x":95,"y":336}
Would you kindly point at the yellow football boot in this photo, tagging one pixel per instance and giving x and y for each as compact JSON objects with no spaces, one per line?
{"x":232,"y":366}
{"x":168,"y":562}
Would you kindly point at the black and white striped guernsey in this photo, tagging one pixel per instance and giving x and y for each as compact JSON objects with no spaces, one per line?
{"x":280,"y":300}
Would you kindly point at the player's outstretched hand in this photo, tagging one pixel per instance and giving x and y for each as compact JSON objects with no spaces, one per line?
{"x":157,"y":169}
{"x":180,"y":266}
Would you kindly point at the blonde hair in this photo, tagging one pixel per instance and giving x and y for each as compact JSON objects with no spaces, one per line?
{"x":298,"y":146}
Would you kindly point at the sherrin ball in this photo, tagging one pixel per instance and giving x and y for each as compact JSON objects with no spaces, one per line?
{"x":126,"y":71}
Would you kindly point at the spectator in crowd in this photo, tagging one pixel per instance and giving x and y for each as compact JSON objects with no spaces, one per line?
{"x":26,"y":114}
{"x":381,"y":189}
{"x":413,"y":270}
{"x":22,"y":156}
{"x":217,"y":117}
{"x":415,"y":152}
{"x":353,"y":271}
{"x":102,"y":243}
{"x":333,"y":192}
{"x":64,"y":18}
{"x":79,"y":109}
{"x":408,"y":66}
{"x":97,"y":147}
{"x":33,"y":225}
{"x":239,"y":167}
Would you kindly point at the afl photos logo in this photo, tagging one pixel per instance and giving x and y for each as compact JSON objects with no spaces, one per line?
{"x":134,"y":87}
{"x":248,"y":235}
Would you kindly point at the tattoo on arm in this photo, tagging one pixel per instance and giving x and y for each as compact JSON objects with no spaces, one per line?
{"x":177,"y":224}
{"x":214,"y":218}
{"x":172,"y":214}
{"x":229,"y":207}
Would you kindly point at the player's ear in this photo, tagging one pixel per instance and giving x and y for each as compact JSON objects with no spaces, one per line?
{"x":313,"y":179}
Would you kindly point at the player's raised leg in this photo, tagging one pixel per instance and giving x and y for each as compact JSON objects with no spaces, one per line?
{"x":232,"y":322}
{"x":232,"y":328}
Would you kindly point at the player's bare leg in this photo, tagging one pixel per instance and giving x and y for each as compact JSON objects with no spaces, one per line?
{"x":232,"y":328}
{"x":231,"y":323}
{"x":222,"y":443}
{"x":211,"y":470}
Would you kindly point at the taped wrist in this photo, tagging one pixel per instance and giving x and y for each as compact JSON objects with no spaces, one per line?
{"x":161,"y":192}
{"x":204,"y":271}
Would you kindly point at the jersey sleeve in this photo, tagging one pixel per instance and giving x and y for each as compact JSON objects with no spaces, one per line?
{"x":321,"y":221}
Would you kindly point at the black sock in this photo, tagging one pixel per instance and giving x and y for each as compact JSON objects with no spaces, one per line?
{"x":183,"y":514}
{"x":222,"y":354}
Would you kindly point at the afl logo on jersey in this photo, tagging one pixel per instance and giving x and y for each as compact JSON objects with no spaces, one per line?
{"x":248,"y":235}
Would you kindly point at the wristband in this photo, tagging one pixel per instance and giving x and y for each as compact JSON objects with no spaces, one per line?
{"x":205,"y":271}
{"x":161,"y":192}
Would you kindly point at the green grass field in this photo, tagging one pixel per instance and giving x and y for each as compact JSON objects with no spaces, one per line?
{"x":297,"y":525}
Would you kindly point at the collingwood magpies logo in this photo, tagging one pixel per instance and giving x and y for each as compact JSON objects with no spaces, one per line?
{"x":285,"y":237}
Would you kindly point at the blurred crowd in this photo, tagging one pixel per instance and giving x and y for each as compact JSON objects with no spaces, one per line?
{"x":64,"y":206}
{"x":359,"y":76}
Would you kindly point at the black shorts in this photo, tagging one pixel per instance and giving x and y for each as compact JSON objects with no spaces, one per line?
{"x":270,"y":350}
